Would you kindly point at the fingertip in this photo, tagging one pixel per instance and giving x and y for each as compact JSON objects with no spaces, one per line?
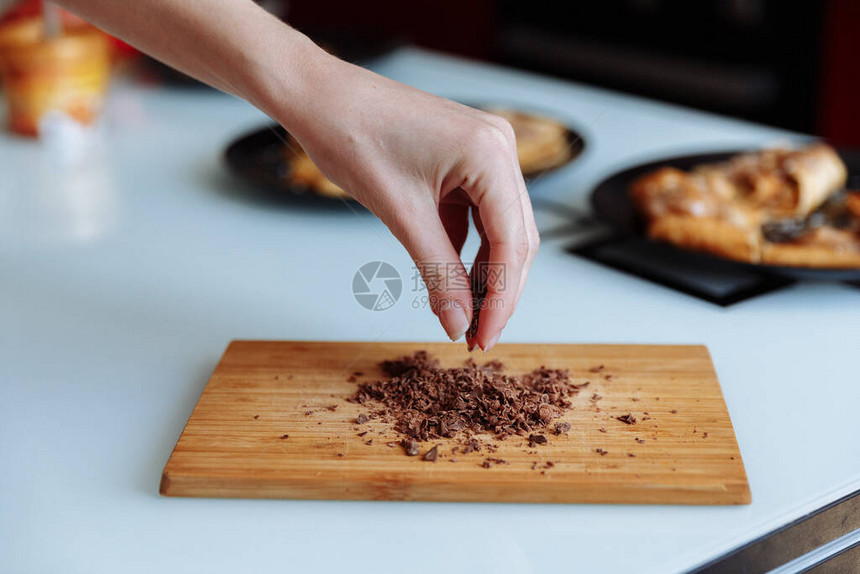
{"x":491,"y":343}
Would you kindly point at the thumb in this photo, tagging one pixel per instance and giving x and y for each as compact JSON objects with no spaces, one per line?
{"x":448,"y":287}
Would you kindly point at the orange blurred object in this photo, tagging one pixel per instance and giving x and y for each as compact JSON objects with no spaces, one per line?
{"x":67,"y":74}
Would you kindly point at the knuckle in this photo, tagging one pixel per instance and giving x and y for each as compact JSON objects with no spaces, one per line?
{"x":522,"y":250}
{"x":490,"y":138}
{"x":535,"y":244}
{"x":507,"y":129}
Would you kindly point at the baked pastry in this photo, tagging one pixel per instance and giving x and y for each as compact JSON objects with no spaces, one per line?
{"x":776,"y":206}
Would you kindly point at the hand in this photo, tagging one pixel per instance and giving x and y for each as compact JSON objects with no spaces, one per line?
{"x":422,"y":163}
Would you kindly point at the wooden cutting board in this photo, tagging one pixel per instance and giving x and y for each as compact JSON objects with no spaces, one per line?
{"x":681,"y":450}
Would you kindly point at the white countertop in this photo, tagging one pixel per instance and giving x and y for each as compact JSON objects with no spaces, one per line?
{"x":123,"y":279}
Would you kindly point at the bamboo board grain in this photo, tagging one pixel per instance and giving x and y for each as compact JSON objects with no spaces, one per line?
{"x":682,"y":450}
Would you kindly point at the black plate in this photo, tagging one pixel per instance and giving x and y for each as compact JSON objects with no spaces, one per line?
{"x":258,"y":157}
{"x":612,"y":204}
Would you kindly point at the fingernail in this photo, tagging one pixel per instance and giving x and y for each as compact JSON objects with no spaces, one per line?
{"x":454,"y":321}
{"x":492,"y":343}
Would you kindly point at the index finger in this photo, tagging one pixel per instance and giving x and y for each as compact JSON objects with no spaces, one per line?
{"x":505,"y":251}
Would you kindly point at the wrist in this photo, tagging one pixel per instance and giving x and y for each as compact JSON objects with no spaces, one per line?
{"x":287,"y":76}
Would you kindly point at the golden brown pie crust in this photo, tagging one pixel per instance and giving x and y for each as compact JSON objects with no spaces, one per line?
{"x":720,"y":208}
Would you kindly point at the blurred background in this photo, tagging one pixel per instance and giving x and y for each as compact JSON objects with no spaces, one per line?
{"x":788,"y":64}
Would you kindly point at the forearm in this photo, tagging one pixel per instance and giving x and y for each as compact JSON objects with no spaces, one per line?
{"x":233,"y":45}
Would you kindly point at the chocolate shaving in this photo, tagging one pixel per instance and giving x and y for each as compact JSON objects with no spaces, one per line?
{"x":628,"y":419}
{"x":361,"y":433}
{"x":561,"y":428}
{"x":410,"y":446}
{"x":536,"y":439}
{"x":362,"y":418}
{"x":284,"y":436}
{"x":427,"y":402}
{"x":432,"y":454}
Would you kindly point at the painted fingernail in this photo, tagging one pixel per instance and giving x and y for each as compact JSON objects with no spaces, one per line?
{"x":492,"y":343}
{"x":454,"y":321}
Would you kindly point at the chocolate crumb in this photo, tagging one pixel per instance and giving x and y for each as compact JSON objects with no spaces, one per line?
{"x":704,"y":435}
{"x":549,"y":464}
{"x":536,"y":439}
{"x":369,"y":442}
{"x":361,"y":433}
{"x":351,"y":379}
{"x":608,"y":377}
{"x":596,"y":369}
{"x":640,"y":440}
{"x":432,"y":454}
{"x":674,"y":411}
{"x":308,"y":413}
{"x":357,"y":374}
{"x":635,"y":399}
{"x":256,"y":417}
{"x":596,"y":397}
{"x":391,"y":444}
{"x":628,"y":419}
{"x":601,"y":429}
{"x":601,"y":452}
{"x":487,"y":464}
{"x":410,"y":446}
{"x":340,"y":454}
{"x":283,"y":436}
{"x":452,"y":460}
{"x":362,"y":418}
{"x":332,"y":408}
{"x":561,"y":428}
{"x":630,"y":454}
